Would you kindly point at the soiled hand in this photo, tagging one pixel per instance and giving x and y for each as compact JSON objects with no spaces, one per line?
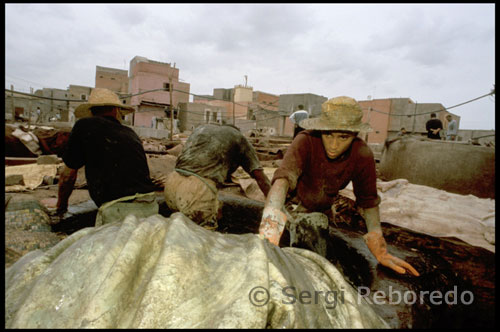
{"x":272,"y":224}
{"x":377,"y":245}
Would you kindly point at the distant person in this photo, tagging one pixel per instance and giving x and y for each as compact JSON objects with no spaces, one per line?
{"x":402,"y":132}
{"x":296,"y":117}
{"x":451,"y":132}
{"x":209,"y":157}
{"x":38,"y":112}
{"x":434,"y":127}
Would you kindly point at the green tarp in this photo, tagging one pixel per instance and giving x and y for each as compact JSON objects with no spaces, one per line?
{"x":159,"y":272}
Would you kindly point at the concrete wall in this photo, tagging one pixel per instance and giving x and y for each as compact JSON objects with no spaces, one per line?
{"x":451,"y":166}
{"x":376,"y":113}
{"x":144,"y":117}
{"x":243,"y":94}
{"x":116,"y":80}
{"x":113,"y":79}
{"x":483,"y":136}
{"x":223,"y":94}
{"x":288,"y":103}
{"x":388,"y":116}
{"x":266,"y":99}
{"x":240,"y":109}
{"x":150,"y":132}
{"x":191,"y":115}
{"x":51,"y":108}
{"x":244,"y":125}
{"x":269,"y":119}
{"x":77,"y":92}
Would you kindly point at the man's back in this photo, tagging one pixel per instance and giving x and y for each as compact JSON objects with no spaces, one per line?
{"x":298,"y":116}
{"x":215,"y":152}
{"x":431,"y":124}
{"x":113,"y":156}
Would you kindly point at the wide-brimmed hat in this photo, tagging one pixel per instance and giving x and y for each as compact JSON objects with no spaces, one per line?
{"x":101,"y":97}
{"x":339,"y":113}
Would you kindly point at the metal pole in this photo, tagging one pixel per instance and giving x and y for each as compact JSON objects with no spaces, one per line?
{"x":12,"y":103}
{"x":29,"y":109}
{"x":51,"y":104}
{"x":171,"y":110}
{"x":414,"y":118}
{"x":234,"y":93}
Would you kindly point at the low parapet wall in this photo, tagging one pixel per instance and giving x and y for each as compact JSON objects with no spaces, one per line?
{"x":452,"y":166}
{"x":151,"y":132}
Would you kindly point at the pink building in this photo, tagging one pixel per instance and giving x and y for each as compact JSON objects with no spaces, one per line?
{"x":146,"y":75}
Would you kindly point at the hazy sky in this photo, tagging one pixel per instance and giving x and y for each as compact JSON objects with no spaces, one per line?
{"x":429,"y":53}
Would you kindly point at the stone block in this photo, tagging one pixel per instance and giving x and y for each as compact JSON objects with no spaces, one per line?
{"x":14,"y":179}
{"x":48,"y":160}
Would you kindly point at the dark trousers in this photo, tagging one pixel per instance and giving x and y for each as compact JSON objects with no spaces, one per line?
{"x":296,"y":130}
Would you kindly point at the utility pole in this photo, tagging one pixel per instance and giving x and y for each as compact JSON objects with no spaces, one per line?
{"x":29,"y":109}
{"x":51,"y":103}
{"x":171,"y":109}
{"x":12,"y":102}
{"x":414,"y":118}
{"x":234,"y":94}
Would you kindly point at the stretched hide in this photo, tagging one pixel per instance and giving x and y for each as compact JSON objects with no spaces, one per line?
{"x":452,"y":166}
{"x":171,"y":273}
{"x":50,"y":141}
{"x":14,"y":147}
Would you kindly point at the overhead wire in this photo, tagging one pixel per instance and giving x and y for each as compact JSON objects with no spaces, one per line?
{"x":371,"y":109}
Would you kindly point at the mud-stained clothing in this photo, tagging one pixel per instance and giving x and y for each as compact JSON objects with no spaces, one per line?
{"x":113,"y":156}
{"x":315,"y":179}
{"x":215,"y":151}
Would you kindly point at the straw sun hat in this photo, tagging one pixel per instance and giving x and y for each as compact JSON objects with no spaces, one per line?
{"x":101,"y":97}
{"x":339,"y":113}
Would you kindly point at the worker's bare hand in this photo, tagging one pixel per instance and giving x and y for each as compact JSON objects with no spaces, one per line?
{"x":272,"y":224}
{"x":378,"y":247}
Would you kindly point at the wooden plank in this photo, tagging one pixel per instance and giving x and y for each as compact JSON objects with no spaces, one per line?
{"x":12,"y":161}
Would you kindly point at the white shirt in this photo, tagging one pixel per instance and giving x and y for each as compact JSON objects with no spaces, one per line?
{"x":298,"y":116}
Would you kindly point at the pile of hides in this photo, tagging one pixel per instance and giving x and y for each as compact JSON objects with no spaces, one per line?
{"x":436,"y":212}
{"x":159,"y":272}
{"x":21,"y":142}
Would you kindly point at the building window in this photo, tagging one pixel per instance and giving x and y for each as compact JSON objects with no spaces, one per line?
{"x":166,"y":86}
{"x":83,"y":96}
{"x":124,"y":101}
{"x":207,"y":116}
{"x":112,"y":78}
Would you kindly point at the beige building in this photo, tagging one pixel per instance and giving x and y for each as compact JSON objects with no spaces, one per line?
{"x":116,"y":80}
{"x":80,"y":93}
{"x":191,"y":115}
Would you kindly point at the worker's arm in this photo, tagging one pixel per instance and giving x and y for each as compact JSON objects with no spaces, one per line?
{"x":273,"y":219}
{"x":66,"y":184}
{"x":375,"y":241}
{"x":262,"y":181}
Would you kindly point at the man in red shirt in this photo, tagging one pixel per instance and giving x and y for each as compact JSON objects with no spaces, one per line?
{"x":322,"y":160}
